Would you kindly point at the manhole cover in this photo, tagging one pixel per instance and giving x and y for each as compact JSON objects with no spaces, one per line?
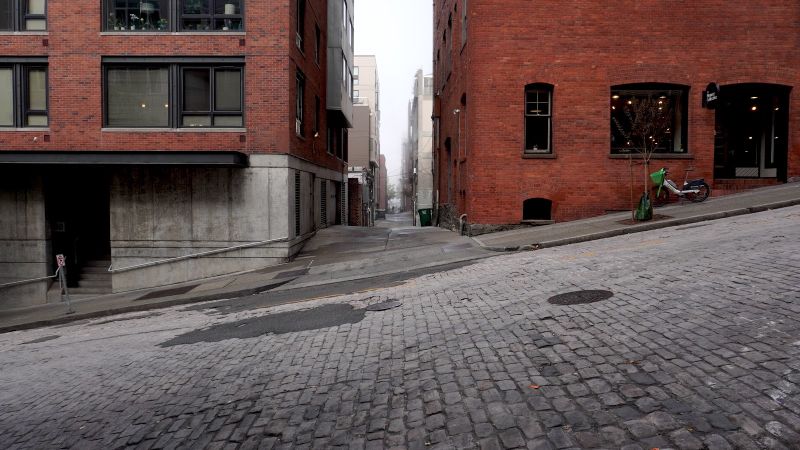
{"x":383,"y":306}
{"x":580,"y":297}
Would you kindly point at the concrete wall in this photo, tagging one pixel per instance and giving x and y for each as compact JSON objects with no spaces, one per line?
{"x":162,"y":213}
{"x":24,"y":244}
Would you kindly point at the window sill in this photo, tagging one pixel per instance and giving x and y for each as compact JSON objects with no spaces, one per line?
{"x":24,"y":33}
{"x":655,"y":156}
{"x":172,"y":33}
{"x":174,"y":130}
{"x":26,"y":129}
{"x":538,"y":156}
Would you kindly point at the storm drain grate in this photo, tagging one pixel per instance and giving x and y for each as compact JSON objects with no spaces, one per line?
{"x":383,"y":306}
{"x":580,"y":297}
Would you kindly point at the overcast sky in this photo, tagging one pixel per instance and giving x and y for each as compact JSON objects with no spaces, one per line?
{"x":399,"y":33}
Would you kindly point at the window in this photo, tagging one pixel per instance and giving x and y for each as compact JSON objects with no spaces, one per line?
{"x":317,"y":43}
{"x":133,"y":15}
{"x":157,"y":15}
{"x":23,"y":95}
{"x":538,"y":118}
{"x":23,"y":15}
{"x":316,"y":116}
{"x":355,"y":75}
{"x":145,"y":95}
{"x":210,"y":15}
{"x":299,"y":99}
{"x":664,"y":100}
{"x":464,"y":24}
{"x":301,"y":24}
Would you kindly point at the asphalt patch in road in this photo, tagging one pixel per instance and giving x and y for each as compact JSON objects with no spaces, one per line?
{"x":580,"y":297}
{"x":325,"y":316}
{"x":384,"y":306}
{"x":42,"y":339}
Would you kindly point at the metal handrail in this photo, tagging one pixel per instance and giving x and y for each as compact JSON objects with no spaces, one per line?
{"x":194,"y":255}
{"x":32,"y":280}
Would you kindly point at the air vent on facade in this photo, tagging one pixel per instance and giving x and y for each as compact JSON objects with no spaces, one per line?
{"x":323,"y":204}
{"x":297,"y":203}
{"x":343,"y":203}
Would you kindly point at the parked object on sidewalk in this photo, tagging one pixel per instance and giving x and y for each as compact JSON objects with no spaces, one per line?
{"x":694,"y":190}
{"x":425,"y":217}
{"x":645,"y":209}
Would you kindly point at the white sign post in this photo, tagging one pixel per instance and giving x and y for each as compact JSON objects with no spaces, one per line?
{"x":62,"y":280}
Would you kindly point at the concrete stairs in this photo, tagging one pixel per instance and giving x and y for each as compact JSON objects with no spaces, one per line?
{"x":94,"y":279}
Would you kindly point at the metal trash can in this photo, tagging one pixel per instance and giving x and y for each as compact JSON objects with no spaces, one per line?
{"x":425,"y":217}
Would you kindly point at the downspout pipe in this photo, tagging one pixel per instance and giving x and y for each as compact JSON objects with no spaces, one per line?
{"x":461,"y":222}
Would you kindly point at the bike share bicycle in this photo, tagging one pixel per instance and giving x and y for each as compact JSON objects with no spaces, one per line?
{"x":694,"y":190}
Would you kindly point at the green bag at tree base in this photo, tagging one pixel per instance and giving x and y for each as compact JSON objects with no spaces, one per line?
{"x":645,"y":209}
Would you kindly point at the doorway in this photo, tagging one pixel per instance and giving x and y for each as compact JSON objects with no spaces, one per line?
{"x":751,"y":132}
{"x":78,"y":213}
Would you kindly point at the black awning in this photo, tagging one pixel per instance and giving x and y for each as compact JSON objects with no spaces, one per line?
{"x":125,"y":158}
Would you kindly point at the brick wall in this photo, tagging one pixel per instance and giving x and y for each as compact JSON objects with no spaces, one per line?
{"x":584,"y":48}
{"x":75,"y":46}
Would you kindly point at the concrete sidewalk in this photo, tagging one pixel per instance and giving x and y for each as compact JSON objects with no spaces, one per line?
{"x":609,"y":225}
{"x":335,"y":255}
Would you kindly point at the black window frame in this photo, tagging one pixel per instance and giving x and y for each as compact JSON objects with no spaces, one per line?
{"x":20,"y":16}
{"x":538,"y":88}
{"x":657,"y":90}
{"x":301,"y":25}
{"x":211,"y":16}
{"x":108,"y":10}
{"x":176,"y":68}
{"x":20,"y":68}
{"x":299,"y":105}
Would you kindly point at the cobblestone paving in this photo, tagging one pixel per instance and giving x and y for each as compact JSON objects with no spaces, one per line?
{"x":697,"y":349}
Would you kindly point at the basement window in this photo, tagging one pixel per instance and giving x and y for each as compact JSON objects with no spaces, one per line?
{"x":536,"y":209}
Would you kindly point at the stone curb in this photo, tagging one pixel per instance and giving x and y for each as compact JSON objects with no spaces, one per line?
{"x":182,"y":300}
{"x":643,"y":227}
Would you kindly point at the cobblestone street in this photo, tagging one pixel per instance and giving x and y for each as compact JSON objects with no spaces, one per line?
{"x":699,"y":348}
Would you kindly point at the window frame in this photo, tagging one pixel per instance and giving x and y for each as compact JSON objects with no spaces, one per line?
{"x":212,"y":17}
{"x":654,"y":89}
{"x":212,"y":112}
{"x":175,"y":68}
{"x":300,"y":94}
{"x":20,"y":16}
{"x":538,"y":88}
{"x":301,"y":26}
{"x":20,"y":68}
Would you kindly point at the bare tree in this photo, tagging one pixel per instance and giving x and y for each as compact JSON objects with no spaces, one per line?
{"x":647,"y":128}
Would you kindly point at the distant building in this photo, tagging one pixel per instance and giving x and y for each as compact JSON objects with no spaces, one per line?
{"x":382,"y":183}
{"x":160,"y":142}
{"x":531,"y":106}
{"x":419,"y":152}
{"x":364,"y":144}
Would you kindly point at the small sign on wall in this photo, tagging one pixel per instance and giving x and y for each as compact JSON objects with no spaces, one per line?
{"x":61,"y":261}
{"x":711,"y":96}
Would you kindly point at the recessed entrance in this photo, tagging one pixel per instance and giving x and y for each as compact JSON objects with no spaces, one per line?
{"x":78,"y":216}
{"x":751,"y":133}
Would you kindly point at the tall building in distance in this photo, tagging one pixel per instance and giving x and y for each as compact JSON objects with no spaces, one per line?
{"x":420,"y":140}
{"x":536,"y":128}
{"x":158,"y":142}
{"x":364,"y":151}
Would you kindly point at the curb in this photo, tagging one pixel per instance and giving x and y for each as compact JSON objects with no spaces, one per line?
{"x":643,"y":227}
{"x":146,"y":306}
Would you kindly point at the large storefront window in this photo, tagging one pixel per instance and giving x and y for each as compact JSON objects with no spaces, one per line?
{"x":751,"y":131}
{"x":670,"y":100}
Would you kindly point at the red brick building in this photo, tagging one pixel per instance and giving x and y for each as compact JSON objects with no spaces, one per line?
{"x":168,"y":139}
{"x":531,"y":99}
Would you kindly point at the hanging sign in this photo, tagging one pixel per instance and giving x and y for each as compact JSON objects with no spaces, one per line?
{"x":61,"y":261}
{"x":711,"y":96}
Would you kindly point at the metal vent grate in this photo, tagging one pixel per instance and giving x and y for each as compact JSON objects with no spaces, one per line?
{"x":297,"y":203}
{"x":343,"y":201}
{"x":323,"y":203}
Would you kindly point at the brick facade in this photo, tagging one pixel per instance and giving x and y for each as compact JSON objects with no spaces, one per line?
{"x":74,"y":46}
{"x":582,"y":49}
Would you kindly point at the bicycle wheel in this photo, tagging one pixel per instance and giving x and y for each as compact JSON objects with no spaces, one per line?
{"x":660,"y":198}
{"x":703,"y":191}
